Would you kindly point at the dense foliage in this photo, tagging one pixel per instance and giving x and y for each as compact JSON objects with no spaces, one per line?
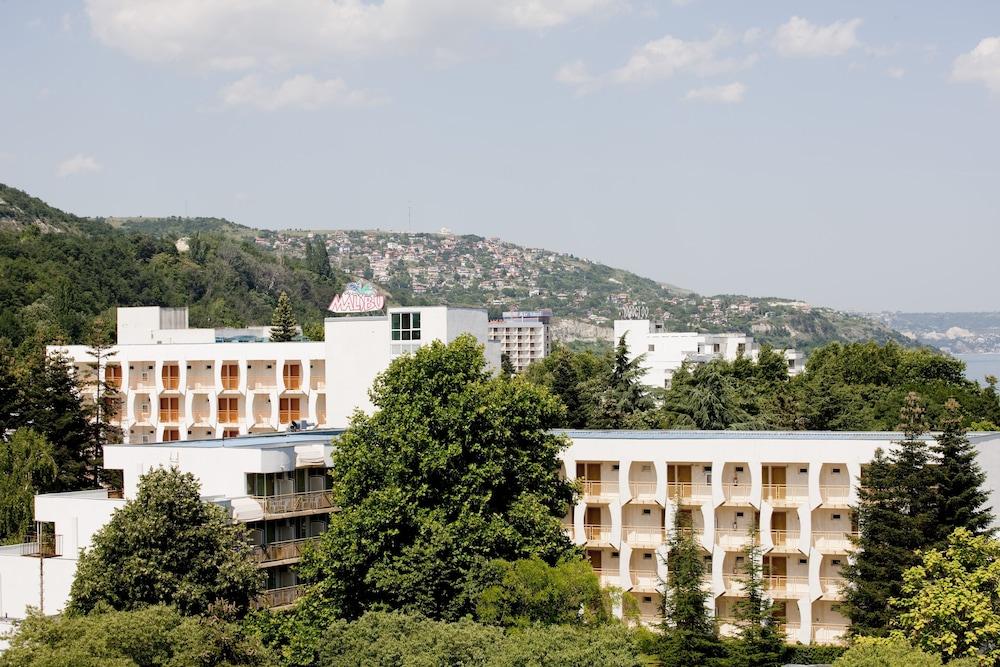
{"x":455,"y":467}
{"x":891,"y":652}
{"x":167,"y":546}
{"x":152,"y":637}
{"x":26,"y":465}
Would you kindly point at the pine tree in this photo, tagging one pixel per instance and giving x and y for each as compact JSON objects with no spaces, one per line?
{"x":961,"y":498}
{"x":689,"y":635}
{"x":283,"y":325}
{"x":895,"y":517}
{"x":624,"y":401}
{"x":761,"y":643}
{"x":506,"y":366}
{"x":108,"y":400}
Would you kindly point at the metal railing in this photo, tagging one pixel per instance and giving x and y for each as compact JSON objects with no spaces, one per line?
{"x":833,"y":540}
{"x":278,"y":551}
{"x":780,"y":584}
{"x":606,"y":574}
{"x":599,"y":489}
{"x":733,"y":539}
{"x":597,"y":533}
{"x":835,"y":494}
{"x":642,"y":489}
{"x":783,"y":494}
{"x":280,"y":597}
{"x":833,"y":587}
{"x":644,"y":535}
{"x":785,"y":539}
{"x":295,"y":502}
{"x":736,"y":492}
{"x":48,"y":546}
{"x":829,"y":633}
{"x":688,"y":491}
{"x":648,"y":580}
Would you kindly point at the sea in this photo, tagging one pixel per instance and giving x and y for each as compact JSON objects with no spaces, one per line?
{"x":978,"y":366}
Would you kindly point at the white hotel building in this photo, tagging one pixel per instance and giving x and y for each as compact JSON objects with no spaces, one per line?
{"x":179,"y":383}
{"x":666,"y":351}
{"x":796,"y":488}
{"x":523,"y":336}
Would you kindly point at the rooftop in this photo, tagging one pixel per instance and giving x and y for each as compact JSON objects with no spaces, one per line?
{"x":260,"y":441}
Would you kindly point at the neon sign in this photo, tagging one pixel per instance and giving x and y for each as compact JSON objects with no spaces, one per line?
{"x":359,"y":297}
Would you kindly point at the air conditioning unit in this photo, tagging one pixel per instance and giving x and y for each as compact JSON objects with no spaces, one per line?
{"x":300,"y":425}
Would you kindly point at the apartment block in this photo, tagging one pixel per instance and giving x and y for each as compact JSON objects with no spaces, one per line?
{"x":523,"y":336}
{"x":176,"y":383}
{"x":666,"y":351}
{"x":276,"y":484}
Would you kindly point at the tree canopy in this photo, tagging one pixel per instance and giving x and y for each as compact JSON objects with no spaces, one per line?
{"x":167,"y":546}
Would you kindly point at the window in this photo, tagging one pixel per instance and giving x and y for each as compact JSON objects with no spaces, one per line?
{"x":406,"y":326}
{"x":652,"y":348}
{"x":803,"y":471}
{"x":288,"y":410}
{"x":836,"y":517}
{"x":835,"y":561}
{"x":716,"y":348}
{"x":614,"y":554}
{"x":615,"y":466}
{"x":836,"y":471}
{"x":292,"y":376}
{"x":170,"y":409}
{"x":229,"y":410}
{"x":171,"y":434}
{"x":647,"y":511}
{"x":803,"y":561}
{"x":741,"y":348}
{"x":646,"y":598}
{"x":171,"y":376}
{"x":739,"y":468}
{"x":647,"y":467}
{"x":647,"y":556}
{"x":230,"y":376}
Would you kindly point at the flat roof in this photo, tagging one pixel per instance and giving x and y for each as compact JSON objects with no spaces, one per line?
{"x":257,"y":441}
{"x":624,"y":434}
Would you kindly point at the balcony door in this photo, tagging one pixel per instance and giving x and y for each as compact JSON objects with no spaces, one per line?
{"x":594,"y":555}
{"x":288,"y":410}
{"x":590,"y":472}
{"x":171,"y":374}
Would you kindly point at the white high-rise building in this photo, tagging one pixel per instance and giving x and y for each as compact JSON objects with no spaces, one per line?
{"x":665,"y":351}
{"x":523,"y":336}
{"x":178,"y":383}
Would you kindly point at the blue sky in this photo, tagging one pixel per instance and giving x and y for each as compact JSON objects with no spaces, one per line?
{"x":845,"y":153}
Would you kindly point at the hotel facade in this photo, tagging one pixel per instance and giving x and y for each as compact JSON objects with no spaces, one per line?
{"x":176,"y":383}
{"x":523,"y":336}
{"x":795,"y":488}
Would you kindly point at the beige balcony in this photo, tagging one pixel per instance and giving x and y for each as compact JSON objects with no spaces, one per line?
{"x":644,"y":536}
{"x":785,"y":541}
{"x":308,"y":502}
{"x":732,"y":540}
{"x":170,"y":416}
{"x":646,"y":581}
{"x":783,"y":495}
{"x":597,"y":535}
{"x":733,"y":583}
{"x":836,"y":542}
{"x":686,"y":492}
{"x":642,"y":491}
{"x":607,"y":576}
{"x":779,"y":587}
{"x":280,"y":552}
{"x":737,"y":494}
{"x":594,"y":491}
{"x":791,"y":631}
{"x":835,"y":496}
{"x":277,"y":598}
{"x":833,"y":588}
{"x":829,"y":633}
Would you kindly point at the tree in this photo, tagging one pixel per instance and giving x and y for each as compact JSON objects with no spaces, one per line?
{"x":950,"y":602}
{"x":454,"y":468}
{"x":26,"y":465}
{"x":570,"y":376}
{"x":314,"y":331}
{"x":317,"y":258}
{"x":167,"y":546}
{"x":9,"y":397}
{"x":688,"y":633}
{"x":284,"y":328}
{"x":506,"y":367}
{"x":896,"y":501}
{"x":622,"y":401}
{"x":710,"y":398}
{"x":532,"y":591}
{"x":886,"y":652}
{"x":962,"y":500}
{"x":141,"y":638}
{"x":107,"y":401}
{"x":761,"y":643}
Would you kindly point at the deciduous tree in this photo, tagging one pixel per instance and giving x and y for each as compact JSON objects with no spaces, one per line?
{"x":26,"y":466}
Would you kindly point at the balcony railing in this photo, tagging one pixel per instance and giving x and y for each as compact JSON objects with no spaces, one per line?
{"x":785,"y":540}
{"x":737,"y":493}
{"x":833,"y":587}
{"x":732,"y":539}
{"x":828,"y":541}
{"x":170,"y":416}
{"x":263,"y":384}
{"x":599,"y":489}
{"x":597,"y":533}
{"x":781,"y":585}
{"x":606,"y":575}
{"x":280,"y":551}
{"x":649,"y":581}
{"x":296,"y":502}
{"x":280,"y":597}
{"x":686,"y":491}
{"x":48,"y":546}
{"x":644,"y":535}
{"x":835,"y":495}
{"x":829,"y":633}
{"x":642,"y":489}
{"x":782,"y":495}
{"x":791,"y":630}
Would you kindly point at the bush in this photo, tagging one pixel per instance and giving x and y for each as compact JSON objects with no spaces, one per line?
{"x":886,"y":652}
{"x":813,"y":654}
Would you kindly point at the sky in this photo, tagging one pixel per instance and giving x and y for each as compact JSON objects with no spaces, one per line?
{"x":845,"y":153}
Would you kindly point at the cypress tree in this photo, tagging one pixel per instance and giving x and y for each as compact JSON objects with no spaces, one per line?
{"x":283,"y":324}
{"x":761,"y":643}
{"x":689,"y":635}
{"x":895,"y":517}
{"x":961,"y":499}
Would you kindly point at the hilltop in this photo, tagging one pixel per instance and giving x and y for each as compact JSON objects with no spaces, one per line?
{"x":232,"y":275}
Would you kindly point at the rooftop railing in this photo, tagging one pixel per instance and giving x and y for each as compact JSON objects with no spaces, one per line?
{"x":48,"y":546}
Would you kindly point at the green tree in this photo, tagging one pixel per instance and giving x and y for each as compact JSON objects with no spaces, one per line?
{"x":154,"y":636}
{"x":107,"y":401}
{"x":961,"y":498}
{"x":709,"y":398}
{"x":284,"y":328}
{"x":761,"y":643}
{"x":314,"y":331}
{"x":167,"y":546}
{"x":622,"y":401}
{"x":531,"y":591}
{"x":9,"y":396}
{"x":688,"y":633}
{"x":950,"y":602}
{"x":26,"y":465}
{"x":506,"y":367}
{"x":569,"y":375}
{"x":886,"y":652}
{"x":895,"y":516}
{"x":454,"y":468}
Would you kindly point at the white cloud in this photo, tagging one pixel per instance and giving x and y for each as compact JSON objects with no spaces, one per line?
{"x":800,"y":38}
{"x":981,"y":64}
{"x":303,"y":92}
{"x":731,"y":93}
{"x":239,"y":35}
{"x":77,"y":164}
{"x":896,"y":72}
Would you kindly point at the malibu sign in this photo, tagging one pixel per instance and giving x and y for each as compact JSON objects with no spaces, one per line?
{"x":359,"y":297}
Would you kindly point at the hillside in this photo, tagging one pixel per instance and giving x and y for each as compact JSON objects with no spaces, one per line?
{"x":957,"y":333}
{"x":233,"y":273}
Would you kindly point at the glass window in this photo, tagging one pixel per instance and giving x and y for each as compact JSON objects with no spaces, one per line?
{"x":406,"y":326}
